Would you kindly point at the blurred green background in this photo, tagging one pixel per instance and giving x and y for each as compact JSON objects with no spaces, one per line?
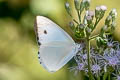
{"x":18,"y":47}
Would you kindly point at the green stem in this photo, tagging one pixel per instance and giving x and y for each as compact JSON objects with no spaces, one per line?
{"x":97,"y":21}
{"x":98,"y":78}
{"x":79,"y":15}
{"x":75,"y":21}
{"x":105,"y":75}
{"x":109,"y":76}
{"x":88,"y":57}
{"x":93,"y":37}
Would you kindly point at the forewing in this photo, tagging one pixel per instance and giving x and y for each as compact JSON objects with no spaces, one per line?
{"x":56,"y":46}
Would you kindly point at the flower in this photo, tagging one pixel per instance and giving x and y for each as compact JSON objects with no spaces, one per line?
{"x":91,"y":13}
{"x":95,"y":68}
{"x":81,"y":66}
{"x":98,"y":8}
{"x":111,"y":57}
{"x":100,"y":11}
{"x":103,"y":59}
{"x":113,"y":61}
{"x":114,"y":12}
{"x":118,"y":77}
{"x":71,"y":24}
{"x":110,"y":44}
{"x":86,"y":1}
{"x":104,"y":28}
{"x":103,"y":7}
{"x":77,"y":4}
{"x":88,"y":30}
{"x":68,"y":9}
{"x":109,"y":18}
{"x":67,"y":4}
{"x":82,"y":26}
{"x":118,"y":53}
{"x":86,"y":4}
{"x":84,"y":56}
{"x":89,"y":18}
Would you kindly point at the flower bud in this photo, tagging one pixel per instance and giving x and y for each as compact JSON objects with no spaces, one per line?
{"x":67,"y":5}
{"x":98,"y":8}
{"x":113,"y":13}
{"x":86,"y":4}
{"x":97,"y":12}
{"x":82,"y":26}
{"x":91,"y":13}
{"x":101,"y":41}
{"x":113,"y":25}
{"x":77,"y":4}
{"x":89,"y":18}
{"x":68,"y":9}
{"x":103,"y":8}
{"x":100,"y":11}
{"x":104,"y":29}
{"x":88,"y":30}
{"x":86,"y":1}
{"x":108,"y":20}
{"x":71,"y":24}
{"x":82,"y":6}
{"x":118,"y":77}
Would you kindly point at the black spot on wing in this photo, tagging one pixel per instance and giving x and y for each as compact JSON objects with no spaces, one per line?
{"x":39,"y":57}
{"x":39,"y":43}
{"x":40,"y":62}
{"x":36,"y":32}
{"x":45,"y":31}
{"x":37,"y":38}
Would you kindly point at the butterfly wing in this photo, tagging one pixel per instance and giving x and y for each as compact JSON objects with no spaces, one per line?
{"x":56,"y":46}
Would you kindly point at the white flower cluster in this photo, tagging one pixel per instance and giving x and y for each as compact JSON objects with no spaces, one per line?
{"x":84,"y":1}
{"x":102,"y":7}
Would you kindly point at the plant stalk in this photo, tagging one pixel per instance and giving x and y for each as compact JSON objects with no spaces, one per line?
{"x":97,"y":21}
{"x":93,"y":37}
{"x":88,"y":57}
{"x":98,"y":78}
{"x":79,"y":16}
{"x":109,"y":76}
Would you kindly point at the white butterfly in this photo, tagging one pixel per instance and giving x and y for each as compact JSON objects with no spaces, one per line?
{"x":56,"y":47}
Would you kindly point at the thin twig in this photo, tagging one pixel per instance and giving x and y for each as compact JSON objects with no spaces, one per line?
{"x":75,"y":21}
{"x":93,"y":37}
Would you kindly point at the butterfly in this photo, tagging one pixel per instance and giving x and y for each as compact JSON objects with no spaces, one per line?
{"x":56,"y":47}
